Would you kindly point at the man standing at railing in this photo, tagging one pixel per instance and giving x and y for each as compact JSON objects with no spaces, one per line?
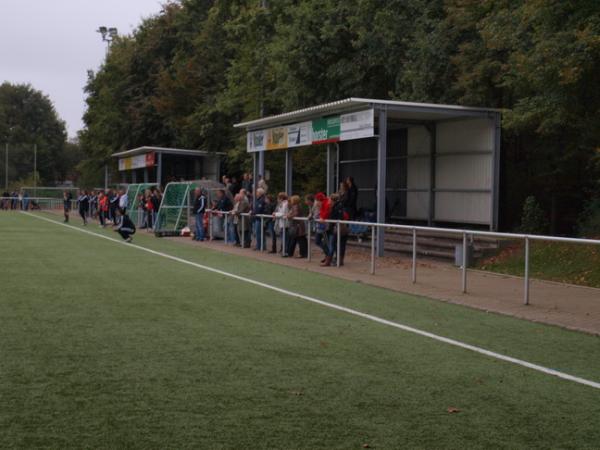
{"x":199,"y":209}
{"x":259,"y":209}
{"x":67,"y":198}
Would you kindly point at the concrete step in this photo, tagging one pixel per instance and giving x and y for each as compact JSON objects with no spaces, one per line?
{"x":436,"y":245}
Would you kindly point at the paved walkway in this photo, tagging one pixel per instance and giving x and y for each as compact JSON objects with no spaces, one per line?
{"x":568,"y":306}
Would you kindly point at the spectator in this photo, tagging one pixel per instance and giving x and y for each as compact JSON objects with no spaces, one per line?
{"x":126,"y":227}
{"x":25,"y":201}
{"x":234,"y":187}
{"x":67,"y":198}
{"x":149,"y":209}
{"x":199,"y":209}
{"x":270,"y":223}
{"x":281,"y":222}
{"x":262,"y":184}
{"x":113,"y":202}
{"x":102,"y":209}
{"x":123,"y":202}
{"x":351,"y":197}
{"x":338,"y":213}
{"x":83,"y":204}
{"x":297,"y":229}
{"x":224,"y":206}
{"x":257,"y":222}
{"x":323,"y":228}
{"x":240,"y":222}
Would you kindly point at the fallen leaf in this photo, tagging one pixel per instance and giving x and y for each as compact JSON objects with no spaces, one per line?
{"x":453,"y":410}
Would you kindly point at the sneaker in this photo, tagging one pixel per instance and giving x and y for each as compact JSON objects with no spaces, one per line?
{"x":129,"y":239}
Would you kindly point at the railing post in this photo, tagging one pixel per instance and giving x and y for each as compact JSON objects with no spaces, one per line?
{"x":243,"y":239}
{"x":308,"y":246}
{"x":339,"y":244}
{"x":373,"y":238}
{"x":414,"y":256}
{"x":526,"y":286}
{"x":464,"y":263}
{"x":210,"y":225}
{"x":226,"y":226}
{"x":284,"y":234}
{"x":262,"y":234}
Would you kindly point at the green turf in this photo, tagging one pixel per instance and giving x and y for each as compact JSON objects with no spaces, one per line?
{"x":105,"y":346}
{"x":565,"y":263}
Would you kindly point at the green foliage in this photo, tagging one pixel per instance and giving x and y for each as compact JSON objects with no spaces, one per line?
{"x":533,"y":217}
{"x":588,"y":223}
{"x":186,"y":75}
{"x":28,"y":119}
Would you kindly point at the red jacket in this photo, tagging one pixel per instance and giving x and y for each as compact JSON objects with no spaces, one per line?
{"x":325,"y":209}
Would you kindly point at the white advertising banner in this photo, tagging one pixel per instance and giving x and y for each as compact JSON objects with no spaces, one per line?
{"x":357,"y":125}
{"x":299,"y":134}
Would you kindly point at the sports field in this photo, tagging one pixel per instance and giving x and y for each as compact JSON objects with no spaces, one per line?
{"x":107,"y":345}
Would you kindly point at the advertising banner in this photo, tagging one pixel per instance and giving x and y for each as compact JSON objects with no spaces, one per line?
{"x":277,"y":138}
{"x":357,"y":125}
{"x":257,"y":141}
{"x":326,"y":129}
{"x":299,"y":134}
{"x":136,"y":162}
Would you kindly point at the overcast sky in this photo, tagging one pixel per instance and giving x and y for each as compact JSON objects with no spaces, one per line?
{"x":52,"y":43}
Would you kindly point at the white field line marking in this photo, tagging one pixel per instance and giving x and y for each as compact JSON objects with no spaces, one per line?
{"x":473,"y":348}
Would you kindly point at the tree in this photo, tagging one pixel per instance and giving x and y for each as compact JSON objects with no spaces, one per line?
{"x":28,"y":119}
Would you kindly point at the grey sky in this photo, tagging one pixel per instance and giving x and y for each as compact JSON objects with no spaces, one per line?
{"x":52,"y":43}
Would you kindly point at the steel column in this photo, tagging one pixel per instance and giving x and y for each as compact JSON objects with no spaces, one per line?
{"x":496,"y":173}
{"x":526,"y":277}
{"x":159,"y":171}
{"x":414,"y":256}
{"x":288,"y":172}
{"x":373,"y":239}
{"x":464,"y":263}
{"x":6,"y":168}
{"x":432,"y":129}
{"x":381,"y":177}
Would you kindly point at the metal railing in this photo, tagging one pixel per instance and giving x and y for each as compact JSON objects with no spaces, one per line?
{"x":375,"y":227}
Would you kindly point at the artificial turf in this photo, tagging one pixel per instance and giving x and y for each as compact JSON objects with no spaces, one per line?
{"x":105,"y":346}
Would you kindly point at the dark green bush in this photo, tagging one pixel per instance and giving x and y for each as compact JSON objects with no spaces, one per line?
{"x":588,"y":223}
{"x":533,"y":217}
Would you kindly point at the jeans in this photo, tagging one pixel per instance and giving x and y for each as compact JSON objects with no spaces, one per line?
{"x":259,"y":232}
{"x":321,"y":242}
{"x":199,"y":227}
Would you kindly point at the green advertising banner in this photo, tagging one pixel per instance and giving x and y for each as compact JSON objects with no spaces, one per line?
{"x":326,"y":129}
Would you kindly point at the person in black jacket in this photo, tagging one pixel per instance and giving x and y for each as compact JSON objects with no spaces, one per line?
{"x":351,"y":200}
{"x":199,"y":209}
{"x":126,"y":227}
{"x":83,"y":203}
{"x":67,"y":197}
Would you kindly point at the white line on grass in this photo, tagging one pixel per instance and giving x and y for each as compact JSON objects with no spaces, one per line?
{"x":473,"y":348}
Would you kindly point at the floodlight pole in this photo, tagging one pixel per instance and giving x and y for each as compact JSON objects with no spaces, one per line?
{"x":6,"y":168}
{"x":34,"y":170}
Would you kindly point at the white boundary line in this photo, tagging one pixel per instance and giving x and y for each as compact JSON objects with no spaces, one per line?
{"x":453,"y":342}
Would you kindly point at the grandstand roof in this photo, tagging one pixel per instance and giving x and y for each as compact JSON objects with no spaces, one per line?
{"x":165,"y":150}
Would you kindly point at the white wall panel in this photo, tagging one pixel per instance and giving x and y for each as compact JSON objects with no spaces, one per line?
{"x":463,"y":207}
{"x":464,"y":172}
{"x":465,"y":135}
{"x":417,"y":205}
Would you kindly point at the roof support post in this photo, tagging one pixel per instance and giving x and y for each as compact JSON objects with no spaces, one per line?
{"x":496,"y":173}
{"x":381,"y":177}
{"x":432,"y":129}
{"x":288,"y":172}
{"x":254,"y":179}
{"x":159,"y":170}
{"x":261,"y":166}
{"x":331,"y":157}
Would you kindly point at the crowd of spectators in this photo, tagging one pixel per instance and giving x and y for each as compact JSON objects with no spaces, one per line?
{"x":16,"y":200}
{"x":282,"y":219}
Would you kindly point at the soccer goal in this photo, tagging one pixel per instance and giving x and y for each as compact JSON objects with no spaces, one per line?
{"x":175,"y":211}
{"x":133,"y":201}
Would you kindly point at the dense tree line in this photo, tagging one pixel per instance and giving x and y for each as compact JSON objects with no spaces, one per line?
{"x":187,"y":74}
{"x":28,"y":119}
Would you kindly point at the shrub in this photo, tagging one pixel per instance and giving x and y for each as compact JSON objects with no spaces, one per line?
{"x":533,"y":217}
{"x":588,"y":222}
